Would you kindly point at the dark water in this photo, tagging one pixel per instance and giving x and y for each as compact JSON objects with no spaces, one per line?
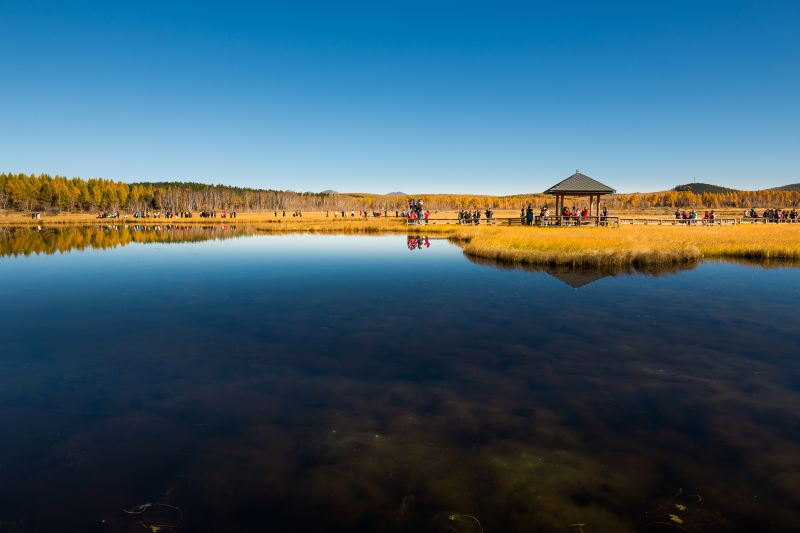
{"x":338,"y":383}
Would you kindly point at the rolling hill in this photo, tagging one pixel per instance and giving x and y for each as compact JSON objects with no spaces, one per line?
{"x":791,"y":187}
{"x":703,"y":188}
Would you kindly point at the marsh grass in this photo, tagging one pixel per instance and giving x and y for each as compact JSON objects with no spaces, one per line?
{"x":633,"y":246}
{"x":598,"y":247}
{"x":636,"y":247}
{"x":639,"y":247}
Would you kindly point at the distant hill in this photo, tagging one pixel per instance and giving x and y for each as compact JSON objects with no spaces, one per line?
{"x":792,"y":187}
{"x":703,"y":188}
{"x":329,"y":191}
{"x":398,"y":193}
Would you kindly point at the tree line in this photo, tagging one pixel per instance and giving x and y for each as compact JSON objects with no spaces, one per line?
{"x":42,"y":192}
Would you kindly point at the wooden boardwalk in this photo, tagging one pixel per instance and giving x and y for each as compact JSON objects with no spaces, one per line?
{"x":611,"y":222}
{"x":519,"y":221}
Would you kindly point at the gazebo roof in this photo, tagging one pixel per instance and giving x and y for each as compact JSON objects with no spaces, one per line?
{"x":579,"y":184}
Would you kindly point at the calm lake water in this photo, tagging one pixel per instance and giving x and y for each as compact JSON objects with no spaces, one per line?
{"x":248,"y":382}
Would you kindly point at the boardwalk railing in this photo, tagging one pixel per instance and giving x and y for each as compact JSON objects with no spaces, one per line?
{"x":761,"y":220}
{"x":562,"y":221}
{"x":451,"y":221}
{"x":554,"y":221}
{"x":679,"y":221}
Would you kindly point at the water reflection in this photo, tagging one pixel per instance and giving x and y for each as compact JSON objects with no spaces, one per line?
{"x":25,"y":240}
{"x":283,"y":394}
{"x":577,"y":277}
{"x":417,"y":242}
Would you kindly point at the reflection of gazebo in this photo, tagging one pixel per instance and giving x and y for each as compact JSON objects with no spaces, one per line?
{"x":579,"y":185}
{"x":576,"y":278}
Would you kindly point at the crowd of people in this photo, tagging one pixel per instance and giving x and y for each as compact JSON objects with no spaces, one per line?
{"x":362,"y":213}
{"x":770,"y":215}
{"x":213,"y":214}
{"x":692,"y":215}
{"x":775,"y":215}
{"x":573,"y":216}
{"x":689,"y":215}
{"x":146,"y":214}
{"x":416,"y":212}
{"x":474,"y":217}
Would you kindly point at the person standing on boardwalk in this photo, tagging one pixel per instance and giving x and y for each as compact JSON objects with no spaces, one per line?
{"x":529,"y":216}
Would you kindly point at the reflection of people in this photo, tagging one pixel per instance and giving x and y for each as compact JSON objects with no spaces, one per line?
{"x":416,"y":243}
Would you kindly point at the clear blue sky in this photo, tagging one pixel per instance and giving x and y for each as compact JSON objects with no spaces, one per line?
{"x":491,"y":97}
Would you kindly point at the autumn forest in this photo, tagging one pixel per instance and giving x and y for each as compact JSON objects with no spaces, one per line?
{"x":42,"y":192}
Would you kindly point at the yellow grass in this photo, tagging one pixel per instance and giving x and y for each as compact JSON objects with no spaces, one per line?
{"x":627,"y":246}
{"x":632,"y":245}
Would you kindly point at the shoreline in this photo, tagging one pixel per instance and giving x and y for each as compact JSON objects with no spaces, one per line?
{"x":623,"y":247}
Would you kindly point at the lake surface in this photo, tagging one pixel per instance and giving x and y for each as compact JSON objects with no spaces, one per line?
{"x":223,"y":380}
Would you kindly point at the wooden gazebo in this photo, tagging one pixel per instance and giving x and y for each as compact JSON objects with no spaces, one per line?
{"x":579,"y":185}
